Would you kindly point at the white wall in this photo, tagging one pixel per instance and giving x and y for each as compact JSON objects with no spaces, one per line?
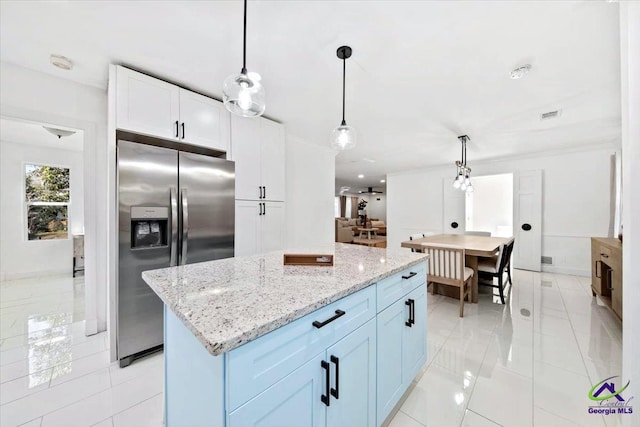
{"x":310,"y":178}
{"x":575,"y":202}
{"x":19,"y":257}
{"x":630,"y":58}
{"x":376,"y":208}
{"x":39,"y":97}
{"x":490,"y":206}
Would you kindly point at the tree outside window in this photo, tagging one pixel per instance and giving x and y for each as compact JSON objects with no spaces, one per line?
{"x":47,"y":201}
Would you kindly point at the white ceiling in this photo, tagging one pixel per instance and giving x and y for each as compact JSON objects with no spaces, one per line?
{"x":20,"y":132}
{"x":421,"y":72}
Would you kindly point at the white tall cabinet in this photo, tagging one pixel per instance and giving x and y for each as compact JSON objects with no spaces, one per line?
{"x":258,"y":149}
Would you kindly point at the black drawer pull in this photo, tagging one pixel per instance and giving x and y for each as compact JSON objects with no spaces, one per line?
{"x":412,"y":313}
{"x":409,"y":276}
{"x":335,"y":391}
{"x":339,"y":313}
{"x":604,"y":255}
{"x":177,"y":129}
{"x":325,"y":398}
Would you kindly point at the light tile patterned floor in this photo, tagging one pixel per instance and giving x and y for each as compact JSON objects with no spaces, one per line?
{"x":530,"y":362}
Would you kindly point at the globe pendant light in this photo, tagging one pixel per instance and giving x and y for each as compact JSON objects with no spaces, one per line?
{"x":344,"y":136}
{"x":462,"y":181}
{"x":243,"y":94}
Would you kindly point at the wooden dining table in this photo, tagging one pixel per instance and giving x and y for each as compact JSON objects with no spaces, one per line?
{"x":474,"y":248}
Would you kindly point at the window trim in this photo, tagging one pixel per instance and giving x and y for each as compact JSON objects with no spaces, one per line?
{"x":26,"y":204}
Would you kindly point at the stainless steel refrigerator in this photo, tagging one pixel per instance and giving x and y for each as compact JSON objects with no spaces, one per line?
{"x":174,"y":208}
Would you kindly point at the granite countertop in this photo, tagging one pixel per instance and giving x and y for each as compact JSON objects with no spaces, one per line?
{"x":229,"y":302}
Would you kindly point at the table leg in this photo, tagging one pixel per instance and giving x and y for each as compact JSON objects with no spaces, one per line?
{"x":472,"y":262}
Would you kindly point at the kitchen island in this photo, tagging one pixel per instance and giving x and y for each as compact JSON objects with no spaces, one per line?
{"x":249,"y":341}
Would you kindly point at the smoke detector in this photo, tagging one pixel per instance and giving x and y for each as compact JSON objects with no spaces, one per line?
{"x":61,"y":62}
{"x":58,"y":132}
{"x":520,"y":72}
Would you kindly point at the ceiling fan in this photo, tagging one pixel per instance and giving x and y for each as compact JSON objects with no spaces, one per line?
{"x":370,"y":190}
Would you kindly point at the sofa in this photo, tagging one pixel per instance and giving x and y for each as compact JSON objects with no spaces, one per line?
{"x":345,"y":229}
{"x":380,"y":225}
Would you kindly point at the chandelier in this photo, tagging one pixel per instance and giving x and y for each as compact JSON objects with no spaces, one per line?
{"x":462,"y":180}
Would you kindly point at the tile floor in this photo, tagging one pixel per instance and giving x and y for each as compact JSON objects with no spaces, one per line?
{"x":530,"y":362}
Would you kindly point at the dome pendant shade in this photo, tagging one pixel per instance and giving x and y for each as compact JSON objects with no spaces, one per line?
{"x":344,"y":136}
{"x":243,"y":95}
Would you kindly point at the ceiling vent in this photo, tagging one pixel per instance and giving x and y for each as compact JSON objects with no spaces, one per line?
{"x":550,"y":115}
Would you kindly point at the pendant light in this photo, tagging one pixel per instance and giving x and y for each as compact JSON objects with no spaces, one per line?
{"x":462,"y":180}
{"x":243,"y":94}
{"x":344,"y":136}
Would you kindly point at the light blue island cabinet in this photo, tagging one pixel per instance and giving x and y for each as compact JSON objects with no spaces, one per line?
{"x":345,"y":360}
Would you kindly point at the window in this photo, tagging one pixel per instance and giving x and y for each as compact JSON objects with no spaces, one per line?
{"x":336,"y":206}
{"x":47,"y":202}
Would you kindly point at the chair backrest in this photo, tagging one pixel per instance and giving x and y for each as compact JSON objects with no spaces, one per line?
{"x":428,"y":233}
{"x":501,"y":260}
{"x":478,"y":233}
{"x":509,"y":251}
{"x":416,"y":236}
{"x":446,"y":263}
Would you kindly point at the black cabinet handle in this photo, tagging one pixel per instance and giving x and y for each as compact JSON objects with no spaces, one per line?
{"x":177,"y":129}
{"x":335,"y":391}
{"x":325,"y":397}
{"x":604,"y":255}
{"x":264,"y":192}
{"x":182,"y":130}
{"x":339,"y":313}
{"x":412,"y":320}
{"x":409,"y":276}
{"x":264,"y":208}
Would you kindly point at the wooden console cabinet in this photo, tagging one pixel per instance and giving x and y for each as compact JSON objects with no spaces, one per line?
{"x":606,"y":272}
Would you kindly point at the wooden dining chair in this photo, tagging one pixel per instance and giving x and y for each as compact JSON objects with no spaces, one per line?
{"x":447,"y":267}
{"x":415,"y":236}
{"x":495,"y":267}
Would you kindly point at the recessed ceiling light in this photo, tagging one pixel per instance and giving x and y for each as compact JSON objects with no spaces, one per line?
{"x":519,"y":72}
{"x":61,"y":62}
{"x":360,"y":176}
{"x":383,"y":181}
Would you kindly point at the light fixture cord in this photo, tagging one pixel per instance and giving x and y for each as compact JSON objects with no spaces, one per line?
{"x":344,"y":77}
{"x":244,"y":41}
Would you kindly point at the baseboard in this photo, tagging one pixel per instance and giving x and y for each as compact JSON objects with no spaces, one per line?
{"x":566,"y":270}
{"x":32,"y":274}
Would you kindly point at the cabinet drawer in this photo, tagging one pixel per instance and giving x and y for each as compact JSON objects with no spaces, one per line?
{"x":255,"y":366}
{"x":605,"y":253}
{"x":395,"y":287}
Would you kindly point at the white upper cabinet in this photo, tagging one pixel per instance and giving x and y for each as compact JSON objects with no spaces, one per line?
{"x":203,"y":121}
{"x":154,"y":107}
{"x":272,"y":153}
{"x":245,"y":136}
{"x":147,"y":105}
{"x":258,"y":148}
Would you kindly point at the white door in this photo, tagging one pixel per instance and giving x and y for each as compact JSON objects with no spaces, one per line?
{"x":248,"y":228}
{"x":527,"y":220}
{"x":204,"y":121}
{"x":272,"y":157}
{"x":245,"y":151}
{"x":453,"y":200}
{"x":272,"y":226}
{"x":146,"y":105}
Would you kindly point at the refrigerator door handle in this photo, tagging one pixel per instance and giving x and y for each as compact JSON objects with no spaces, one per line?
{"x":174,"y":227}
{"x":185,"y":225}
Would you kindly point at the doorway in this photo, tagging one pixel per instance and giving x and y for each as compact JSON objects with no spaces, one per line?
{"x":490,"y":206}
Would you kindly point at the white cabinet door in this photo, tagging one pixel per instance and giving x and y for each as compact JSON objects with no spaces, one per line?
{"x":146,"y":105}
{"x":527,"y":220}
{"x":353,"y":387}
{"x":292,"y":402}
{"x":272,"y":149}
{"x":245,"y":151}
{"x":414,"y":348}
{"x":248,"y":228}
{"x":204,"y":121}
{"x":272,"y":226}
